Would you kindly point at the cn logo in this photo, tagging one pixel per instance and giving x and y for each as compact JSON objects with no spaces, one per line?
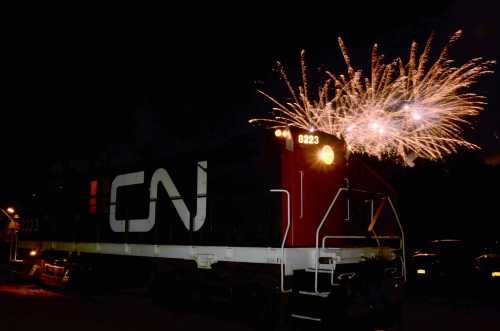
{"x":160,"y":176}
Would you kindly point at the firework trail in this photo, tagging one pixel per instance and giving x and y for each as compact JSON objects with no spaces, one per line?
{"x":400,"y":110}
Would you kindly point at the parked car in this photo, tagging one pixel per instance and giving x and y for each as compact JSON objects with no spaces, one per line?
{"x":487,"y":263}
{"x":49,"y":268}
{"x":444,"y":262}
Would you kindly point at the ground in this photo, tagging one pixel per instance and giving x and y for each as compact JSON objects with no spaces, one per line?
{"x":30,"y":307}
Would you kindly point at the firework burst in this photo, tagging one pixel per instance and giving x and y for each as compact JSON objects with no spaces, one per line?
{"x":400,"y":110}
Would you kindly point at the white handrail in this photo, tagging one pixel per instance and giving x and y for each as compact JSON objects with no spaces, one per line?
{"x":323,"y":220}
{"x":358,"y":237}
{"x":318,"y":229}
{"x":301,"y":194}
{"x":402,"y":236}
{"x":289,"y":221}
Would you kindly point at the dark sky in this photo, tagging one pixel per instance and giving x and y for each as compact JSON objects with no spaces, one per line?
{"x":73,"y":78}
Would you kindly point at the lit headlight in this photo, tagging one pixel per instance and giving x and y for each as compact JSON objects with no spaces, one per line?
{"x":33,"y":252}
{"x":421,"y":271}
{"x":326,"y":154}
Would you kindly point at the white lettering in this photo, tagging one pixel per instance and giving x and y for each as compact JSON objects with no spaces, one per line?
{"x":160,"y":176}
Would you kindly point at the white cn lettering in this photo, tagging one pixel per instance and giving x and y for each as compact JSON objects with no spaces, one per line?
{"x":160,"y":176}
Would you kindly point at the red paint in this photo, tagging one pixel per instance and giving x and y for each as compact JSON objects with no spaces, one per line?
{"x":93,"y":188}
{"x":320,"y":184}
{"x":92,"y":200}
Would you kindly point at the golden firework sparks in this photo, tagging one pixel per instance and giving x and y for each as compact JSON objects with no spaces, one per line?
{"x":400,"y":110}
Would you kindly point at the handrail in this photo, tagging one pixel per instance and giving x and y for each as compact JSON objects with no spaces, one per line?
{"x":402,"y":236}
{"x":401,"y":245}
{"x":289,"y":222}
{"x":318,"y":229}
{"x":301,"y":215}
{"x":357,"y":237}
{"x":323,"y":220}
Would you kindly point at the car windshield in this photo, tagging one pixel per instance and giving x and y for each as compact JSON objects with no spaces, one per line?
{"x":491,"y":248}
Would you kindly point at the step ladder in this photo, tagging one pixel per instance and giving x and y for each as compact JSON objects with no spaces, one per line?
{"x":315,"y":286}
{"x":326,"y":264}
{"x":306,"y":306}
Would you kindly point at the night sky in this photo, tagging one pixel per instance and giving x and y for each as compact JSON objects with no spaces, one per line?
{"x":78,"y":80}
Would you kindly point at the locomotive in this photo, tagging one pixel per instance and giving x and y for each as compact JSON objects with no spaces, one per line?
{"x":286,"y":224}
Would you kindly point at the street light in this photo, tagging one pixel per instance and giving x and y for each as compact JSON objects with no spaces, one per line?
{"x":14,"y":227}
{"x":7,"y":213}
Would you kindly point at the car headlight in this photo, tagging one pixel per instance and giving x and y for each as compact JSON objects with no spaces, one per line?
{"x":421,"y":271}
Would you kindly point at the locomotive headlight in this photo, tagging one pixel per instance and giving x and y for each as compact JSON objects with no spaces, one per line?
{"x":282,"y":133}
{"x":326,"y":154}
{"x":33,"y":252}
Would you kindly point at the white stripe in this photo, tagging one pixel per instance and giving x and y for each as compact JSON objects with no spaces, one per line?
{"x":297,"y":258}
